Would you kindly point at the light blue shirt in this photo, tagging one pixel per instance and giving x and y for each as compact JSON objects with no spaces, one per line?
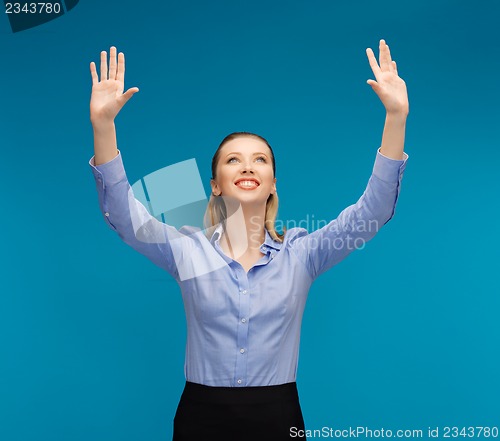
{"x":243,"y":329}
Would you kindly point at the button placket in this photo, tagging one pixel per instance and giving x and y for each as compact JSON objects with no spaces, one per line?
{"x":242,"y":331}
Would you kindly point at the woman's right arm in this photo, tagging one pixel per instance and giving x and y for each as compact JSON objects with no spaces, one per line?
{"x":123,"y":213}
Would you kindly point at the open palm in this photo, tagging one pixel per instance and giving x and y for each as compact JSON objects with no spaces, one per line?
{"x":107,"y":94}
{"x":389,"y":87}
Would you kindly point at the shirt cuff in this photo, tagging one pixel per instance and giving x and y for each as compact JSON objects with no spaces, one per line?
{"x":113,"y":170}
{"x":388,"y":169}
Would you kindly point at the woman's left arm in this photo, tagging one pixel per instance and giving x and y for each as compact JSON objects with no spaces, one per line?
{"x":391,"y":90}
{"x":358,"y":223}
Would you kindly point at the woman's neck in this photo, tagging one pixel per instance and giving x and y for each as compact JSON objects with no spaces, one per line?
{"x":244,"y":231}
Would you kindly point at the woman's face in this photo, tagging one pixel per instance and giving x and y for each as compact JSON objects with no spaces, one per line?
{"x":245,"y":171}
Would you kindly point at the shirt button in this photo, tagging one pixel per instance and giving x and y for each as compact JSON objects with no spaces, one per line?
{"x":106,"y":214}
{"x":244,"y":291}
{"x":242,"y":350}
{"x":243,"y":320}
{"x":239,"y":381}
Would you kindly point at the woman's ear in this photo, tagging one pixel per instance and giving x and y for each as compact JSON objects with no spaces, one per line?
{"x":274,"y":187}
{"x":215,"y":188}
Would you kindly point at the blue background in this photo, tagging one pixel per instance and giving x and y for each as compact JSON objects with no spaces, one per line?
{"x":401,"y":335}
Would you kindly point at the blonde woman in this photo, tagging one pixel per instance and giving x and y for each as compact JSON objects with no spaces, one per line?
{"x":244,"y":284}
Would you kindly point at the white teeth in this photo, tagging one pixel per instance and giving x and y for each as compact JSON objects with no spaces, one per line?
{"x":247,"y":184}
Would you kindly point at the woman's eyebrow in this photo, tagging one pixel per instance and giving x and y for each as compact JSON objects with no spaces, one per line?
{"x":236,"y":153}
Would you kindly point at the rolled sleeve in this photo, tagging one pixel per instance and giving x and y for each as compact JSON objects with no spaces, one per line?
{"x":113,"y":169}
{"x":390,"y":171}
{"x":106,"y":175}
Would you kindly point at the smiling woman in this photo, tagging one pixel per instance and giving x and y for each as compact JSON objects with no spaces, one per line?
{"x":243,"y":284}
{"x":241,"y":159}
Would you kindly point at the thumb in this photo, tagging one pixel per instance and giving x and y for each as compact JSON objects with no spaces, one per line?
{"x":374,"y":85}
{"x":127,"y":95}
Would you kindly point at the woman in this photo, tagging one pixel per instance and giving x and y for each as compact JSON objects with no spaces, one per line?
{"x":244,"y":285}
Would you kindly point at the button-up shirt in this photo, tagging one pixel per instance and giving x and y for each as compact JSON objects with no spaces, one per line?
{"x":243,"y":328}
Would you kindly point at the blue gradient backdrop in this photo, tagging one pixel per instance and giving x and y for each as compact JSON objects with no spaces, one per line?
{"x":404,"y":334}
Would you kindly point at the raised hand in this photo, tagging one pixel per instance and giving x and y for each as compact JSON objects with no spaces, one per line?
{"x":107,"y":94}
{"x":389,"y":87}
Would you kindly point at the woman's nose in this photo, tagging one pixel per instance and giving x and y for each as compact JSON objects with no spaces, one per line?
{"x":247,"y":168}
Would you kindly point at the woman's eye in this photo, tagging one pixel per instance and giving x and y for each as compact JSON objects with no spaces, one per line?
{"x":235,"y":158}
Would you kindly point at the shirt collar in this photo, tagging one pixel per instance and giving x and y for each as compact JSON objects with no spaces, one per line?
{"x":269,"y":242}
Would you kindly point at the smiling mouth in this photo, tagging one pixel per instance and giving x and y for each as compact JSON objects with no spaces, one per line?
{"x":247,"y":185}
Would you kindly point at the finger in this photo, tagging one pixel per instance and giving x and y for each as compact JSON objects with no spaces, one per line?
{"x":394,"y":67}
{"x":112,"y":63}
{"x":120,"y":76}
{"x":373,"y":63}
{"x":104,"y":66}
{"x":385,"y":56}
{"x":93,"y":73}
{"x":127,"y":95}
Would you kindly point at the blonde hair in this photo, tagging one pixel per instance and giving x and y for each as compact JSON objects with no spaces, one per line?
{"x":216,"y":209}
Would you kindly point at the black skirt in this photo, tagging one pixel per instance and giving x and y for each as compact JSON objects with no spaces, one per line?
{"x":256,"y":413}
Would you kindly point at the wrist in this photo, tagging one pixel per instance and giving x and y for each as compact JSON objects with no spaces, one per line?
{"x":100,"y":126}
{"x":399,"y":116}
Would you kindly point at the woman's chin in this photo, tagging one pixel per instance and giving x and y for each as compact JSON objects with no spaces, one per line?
{"x":245,"y":198}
